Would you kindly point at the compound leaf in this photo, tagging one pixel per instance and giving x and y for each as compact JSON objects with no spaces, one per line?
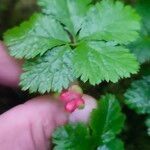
{"x":70,"y":22}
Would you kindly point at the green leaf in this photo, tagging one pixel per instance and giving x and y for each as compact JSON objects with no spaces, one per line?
{"x":53,"y":71}
{"x":69,"y":12}
{"x":111,"y":21}
{"x":107,"y":120}
{"x":141,"y":48}
{"x":142,"y":8}
{"x":138,"y":96}
{"x":35,"y":36}
{"x":72,"y":137}
{"x":148,"y":125}
{"x":99,"y":61}
{"x":76,"y":23}
{"x":115,"y":144}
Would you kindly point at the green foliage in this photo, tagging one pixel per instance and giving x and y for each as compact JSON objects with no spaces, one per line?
{"x":138,"y":98}
{"x":88,"y":40}
{"x":141,"y":48}
{"x":143,"y":9}
{"x":138,"y":95}
{"x":106,"y":121}
{"x":103,"y":61}
{"x":53,"y":71}
{"x":34,"y":37}
{"x":148,"y":125}
{"x":72,"y":137}
{"x":111,"y":21}
{"x":92,"y":32}
{"x":115,"y":144}
{"x":69,"y":12}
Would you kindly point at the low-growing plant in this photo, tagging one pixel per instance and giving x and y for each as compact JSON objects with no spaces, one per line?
{"x":90,"y":42}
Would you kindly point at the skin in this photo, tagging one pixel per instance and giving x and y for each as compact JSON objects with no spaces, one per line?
{"x":29,"y":126}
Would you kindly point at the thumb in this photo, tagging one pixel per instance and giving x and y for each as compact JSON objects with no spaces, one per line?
{"x":29,"y":126}
{"x":83,"y":115}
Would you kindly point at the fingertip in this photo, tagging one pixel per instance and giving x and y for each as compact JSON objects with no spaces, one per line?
{"x":10,"y":68}
{"x":83,"y":115}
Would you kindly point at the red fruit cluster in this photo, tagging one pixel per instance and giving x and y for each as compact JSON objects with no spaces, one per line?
{"x":72,"y":100}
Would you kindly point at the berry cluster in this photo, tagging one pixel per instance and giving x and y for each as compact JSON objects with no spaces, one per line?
{"x":72,"y":98}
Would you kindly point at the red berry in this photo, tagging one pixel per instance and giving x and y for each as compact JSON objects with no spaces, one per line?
{"x":72,"y":100}
{"x":67,"y":96}
{"x":74,"y":95}
{"x":71,"y":106}
{"x":80,"y":103}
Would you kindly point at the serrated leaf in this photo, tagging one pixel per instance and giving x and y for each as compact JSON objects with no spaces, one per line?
{"x":35,"y":36}
{"x":53,"y":71}
{"x":111,"y":21}
{"x":69,"y":12}
{"x":71,"y":22}
{"x":107,"y":120}
{"x":72,"y":137}
{"x":115,"y":144}
{"x":99,"y":61}
{"x":138,"y":95}
{"x":148,"y":125}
